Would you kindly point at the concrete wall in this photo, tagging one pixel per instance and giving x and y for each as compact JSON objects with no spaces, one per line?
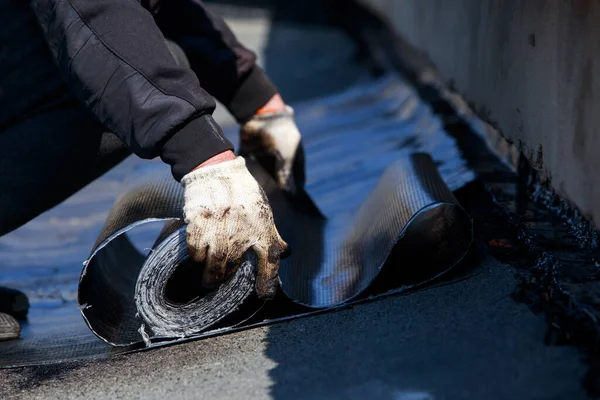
{"x":529,"y":66}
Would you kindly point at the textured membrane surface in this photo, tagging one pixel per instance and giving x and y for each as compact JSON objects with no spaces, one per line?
{"x":350,"y":140}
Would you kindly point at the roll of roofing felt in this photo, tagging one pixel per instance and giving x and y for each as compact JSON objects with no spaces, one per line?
{"x":164,"y":317}
{"x":126,"y":297}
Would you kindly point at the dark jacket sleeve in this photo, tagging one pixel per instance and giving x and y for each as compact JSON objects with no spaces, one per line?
{"x":115,"y":60}
{"x":226,"y":69}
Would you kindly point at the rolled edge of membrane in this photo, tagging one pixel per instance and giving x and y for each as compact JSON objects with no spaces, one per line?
{"x":165,"y":319}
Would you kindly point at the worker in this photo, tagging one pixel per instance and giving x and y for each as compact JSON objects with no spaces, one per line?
{"x":84,"y":83}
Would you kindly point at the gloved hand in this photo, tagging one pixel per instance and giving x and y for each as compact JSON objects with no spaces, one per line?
{"x":274,"y":141}
{"x":227,"y":213}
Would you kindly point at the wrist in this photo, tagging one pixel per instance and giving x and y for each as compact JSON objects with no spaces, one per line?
{"x":274,"y":105}
{"x":227,"y":155}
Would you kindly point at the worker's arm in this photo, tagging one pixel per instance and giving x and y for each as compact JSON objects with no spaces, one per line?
{"x":226,"y":69}
{"x":114,"y":59}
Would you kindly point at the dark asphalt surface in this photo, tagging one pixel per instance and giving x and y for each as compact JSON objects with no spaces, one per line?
{"x":468,"y":340}
{"x":464,"y":340}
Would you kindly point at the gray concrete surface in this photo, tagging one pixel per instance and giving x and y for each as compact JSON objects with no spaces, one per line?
{"x":530,"y":67}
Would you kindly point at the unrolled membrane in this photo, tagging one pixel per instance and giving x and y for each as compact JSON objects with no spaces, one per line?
{"x":126,"y":296}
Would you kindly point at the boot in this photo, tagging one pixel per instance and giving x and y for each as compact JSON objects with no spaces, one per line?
{"x":13,"y":304}
{"x":9,"y":327}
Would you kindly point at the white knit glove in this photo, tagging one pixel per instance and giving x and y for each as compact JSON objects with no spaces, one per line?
{"x":273,"y":139}
{"x":227,"y":213}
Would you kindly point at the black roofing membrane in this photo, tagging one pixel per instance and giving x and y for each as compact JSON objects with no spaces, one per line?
{"x":380,"y":176}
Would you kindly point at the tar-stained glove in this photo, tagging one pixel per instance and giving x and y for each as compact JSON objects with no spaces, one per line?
{"x":273,"y":139}
{"x":227,"y":213}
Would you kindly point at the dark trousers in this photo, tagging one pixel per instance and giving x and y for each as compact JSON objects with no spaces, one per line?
{"x":49,"y":156}
{"x":50,"y":145}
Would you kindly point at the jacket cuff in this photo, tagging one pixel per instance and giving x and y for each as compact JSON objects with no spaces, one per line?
{"x":199,"y":140}
{"x":253,"y":93}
